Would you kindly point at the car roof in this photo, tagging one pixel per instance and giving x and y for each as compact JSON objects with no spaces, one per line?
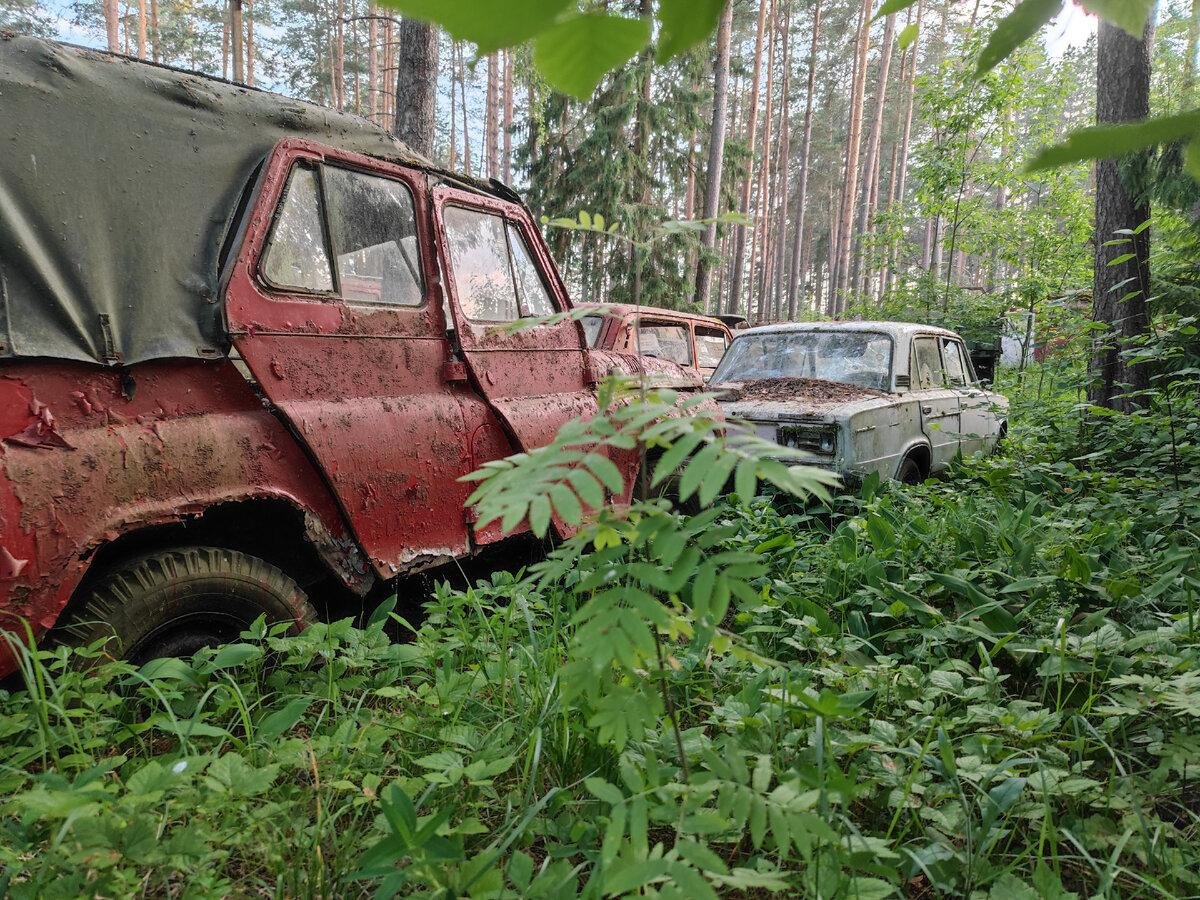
{"x":897,"y":330}
{"x":631,"y":310}
{"x":130,"y":176}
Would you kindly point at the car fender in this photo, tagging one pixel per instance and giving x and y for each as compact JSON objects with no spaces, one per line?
{"x":159,"y":444}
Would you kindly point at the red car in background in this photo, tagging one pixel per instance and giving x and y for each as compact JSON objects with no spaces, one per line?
{"x":689,"y":340}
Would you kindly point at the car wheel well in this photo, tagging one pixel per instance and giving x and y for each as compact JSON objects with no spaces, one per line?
{"x":922,"y":456}
{"x":271,"y":529}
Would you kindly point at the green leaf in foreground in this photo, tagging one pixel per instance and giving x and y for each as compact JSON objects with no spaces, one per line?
{"x":505,"y":23}
{"x":684,"y":24}
{"x":909,"y":36}
{"x":1106,"y":141}
{"x":894,"y":6}
{"x":1129,"y":15}
{"x":1191,"y":159}
{"x":1014,"y":29}
{"x":576,"y":53}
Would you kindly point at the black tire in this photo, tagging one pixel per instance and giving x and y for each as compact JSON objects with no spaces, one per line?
{"x":910,"y":472}
{"x":173,"y":602}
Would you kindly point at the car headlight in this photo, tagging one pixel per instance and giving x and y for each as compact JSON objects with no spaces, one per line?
{"x":820,"y":439}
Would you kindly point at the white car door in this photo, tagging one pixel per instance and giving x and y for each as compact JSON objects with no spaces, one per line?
{"x":941,"y":416}
{"x":979,"y":424}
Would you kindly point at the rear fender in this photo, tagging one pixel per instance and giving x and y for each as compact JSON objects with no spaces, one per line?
{"x":114,"y":453}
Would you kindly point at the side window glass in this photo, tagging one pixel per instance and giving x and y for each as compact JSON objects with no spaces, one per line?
{"x":955,"y":370}
{"x":710,"y":347}
{"x":591,"y":328}
{"x":296,"y":255}
{"x":374,"y":229}
{"x":535,"y":301}
{"x":927,"y":364}
{"x":665,"y":342}
{"x":479,"y":255}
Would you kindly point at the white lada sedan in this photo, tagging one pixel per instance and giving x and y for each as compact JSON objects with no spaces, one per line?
{"x":894,"y":398}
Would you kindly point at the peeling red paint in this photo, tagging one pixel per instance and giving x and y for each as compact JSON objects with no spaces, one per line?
{"x":10,"y":566}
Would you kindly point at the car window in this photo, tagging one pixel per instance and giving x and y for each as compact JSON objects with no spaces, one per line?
{"x":665,"y":341}
{"x":710,"y":347}
{"x":927,"y":364}
{"x":296,"y":255}
{"x":482,"y":273}
{"x":535,"y":300}
{"x":374,"y":228}
{"x":591,"y":329}
{"x":956,"y":367}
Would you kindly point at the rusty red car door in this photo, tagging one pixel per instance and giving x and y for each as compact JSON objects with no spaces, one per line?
{"x":330,"y":306}
{"x":498,"y":271}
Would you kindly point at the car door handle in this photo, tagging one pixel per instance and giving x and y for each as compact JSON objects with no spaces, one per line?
{"x":927,"y":409}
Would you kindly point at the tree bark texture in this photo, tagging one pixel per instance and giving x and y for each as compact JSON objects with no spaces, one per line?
{"x":1120,"y":291}
{"x":802,"y":177}
{"x":416,"y":84}
{"x":739,"y":243}
{"x":716,"y":157}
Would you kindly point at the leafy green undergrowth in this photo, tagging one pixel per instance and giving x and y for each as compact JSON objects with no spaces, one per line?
{"x":984,"y":686}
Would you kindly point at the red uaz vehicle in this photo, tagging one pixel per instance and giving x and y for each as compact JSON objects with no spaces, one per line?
{"x":248,"y":347}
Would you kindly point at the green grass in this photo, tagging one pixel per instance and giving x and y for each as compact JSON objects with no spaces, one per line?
{"x":985,"y":686}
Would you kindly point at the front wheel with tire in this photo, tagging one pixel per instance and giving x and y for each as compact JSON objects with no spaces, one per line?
{"x":173,"y":602}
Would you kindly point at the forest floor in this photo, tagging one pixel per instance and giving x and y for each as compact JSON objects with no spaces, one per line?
{"x":984,"y":686}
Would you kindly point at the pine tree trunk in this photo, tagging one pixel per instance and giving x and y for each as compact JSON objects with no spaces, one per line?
{"x":416,"y":84}
{"x":112,"y":18}
{"x":339,"y":57}
{"x":839,"y":283}
{"x":508,"y":116}
{"x":453,"y":104}
{"x":641,"y":146}
{"x":490,"y":117}
{"x":758,"y":248}
{"x":716,"y":158}
{"x":739,"y":243}
{"x":141,"y":29}
{"x":154,"y":30}
{"x":462,"y":89}
{"x":805,"y":151}
{"x":235,"y":39}
{"x":373,"y":63}
{"x":1120,"y":291}
{"x":870,"y":191}
{"x":1189,"y":61}
{"x":249,"y":17}
{"x":781,"y":167}
{"x":898,"y":189}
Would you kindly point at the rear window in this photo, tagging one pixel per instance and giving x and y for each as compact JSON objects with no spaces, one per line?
{"x":927,"y":364}
{"x":297,"y":256}
{"x":710,"y":347}
{"x":665,"y":342}
{"x":367,"y":221}
{"x":591,"y":329}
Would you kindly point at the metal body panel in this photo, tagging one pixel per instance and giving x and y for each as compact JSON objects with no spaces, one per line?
{"x":364,"y":387}
{"x":118,"y":453}
{"x":537,"y":378}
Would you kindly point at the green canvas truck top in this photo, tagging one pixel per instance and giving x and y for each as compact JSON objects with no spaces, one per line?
{"x":120,"y":182}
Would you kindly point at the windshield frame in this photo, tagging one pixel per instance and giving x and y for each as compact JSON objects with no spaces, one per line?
{"x":891,"y":372}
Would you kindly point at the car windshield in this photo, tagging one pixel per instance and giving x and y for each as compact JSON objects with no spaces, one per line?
{"x":862,"y":358}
